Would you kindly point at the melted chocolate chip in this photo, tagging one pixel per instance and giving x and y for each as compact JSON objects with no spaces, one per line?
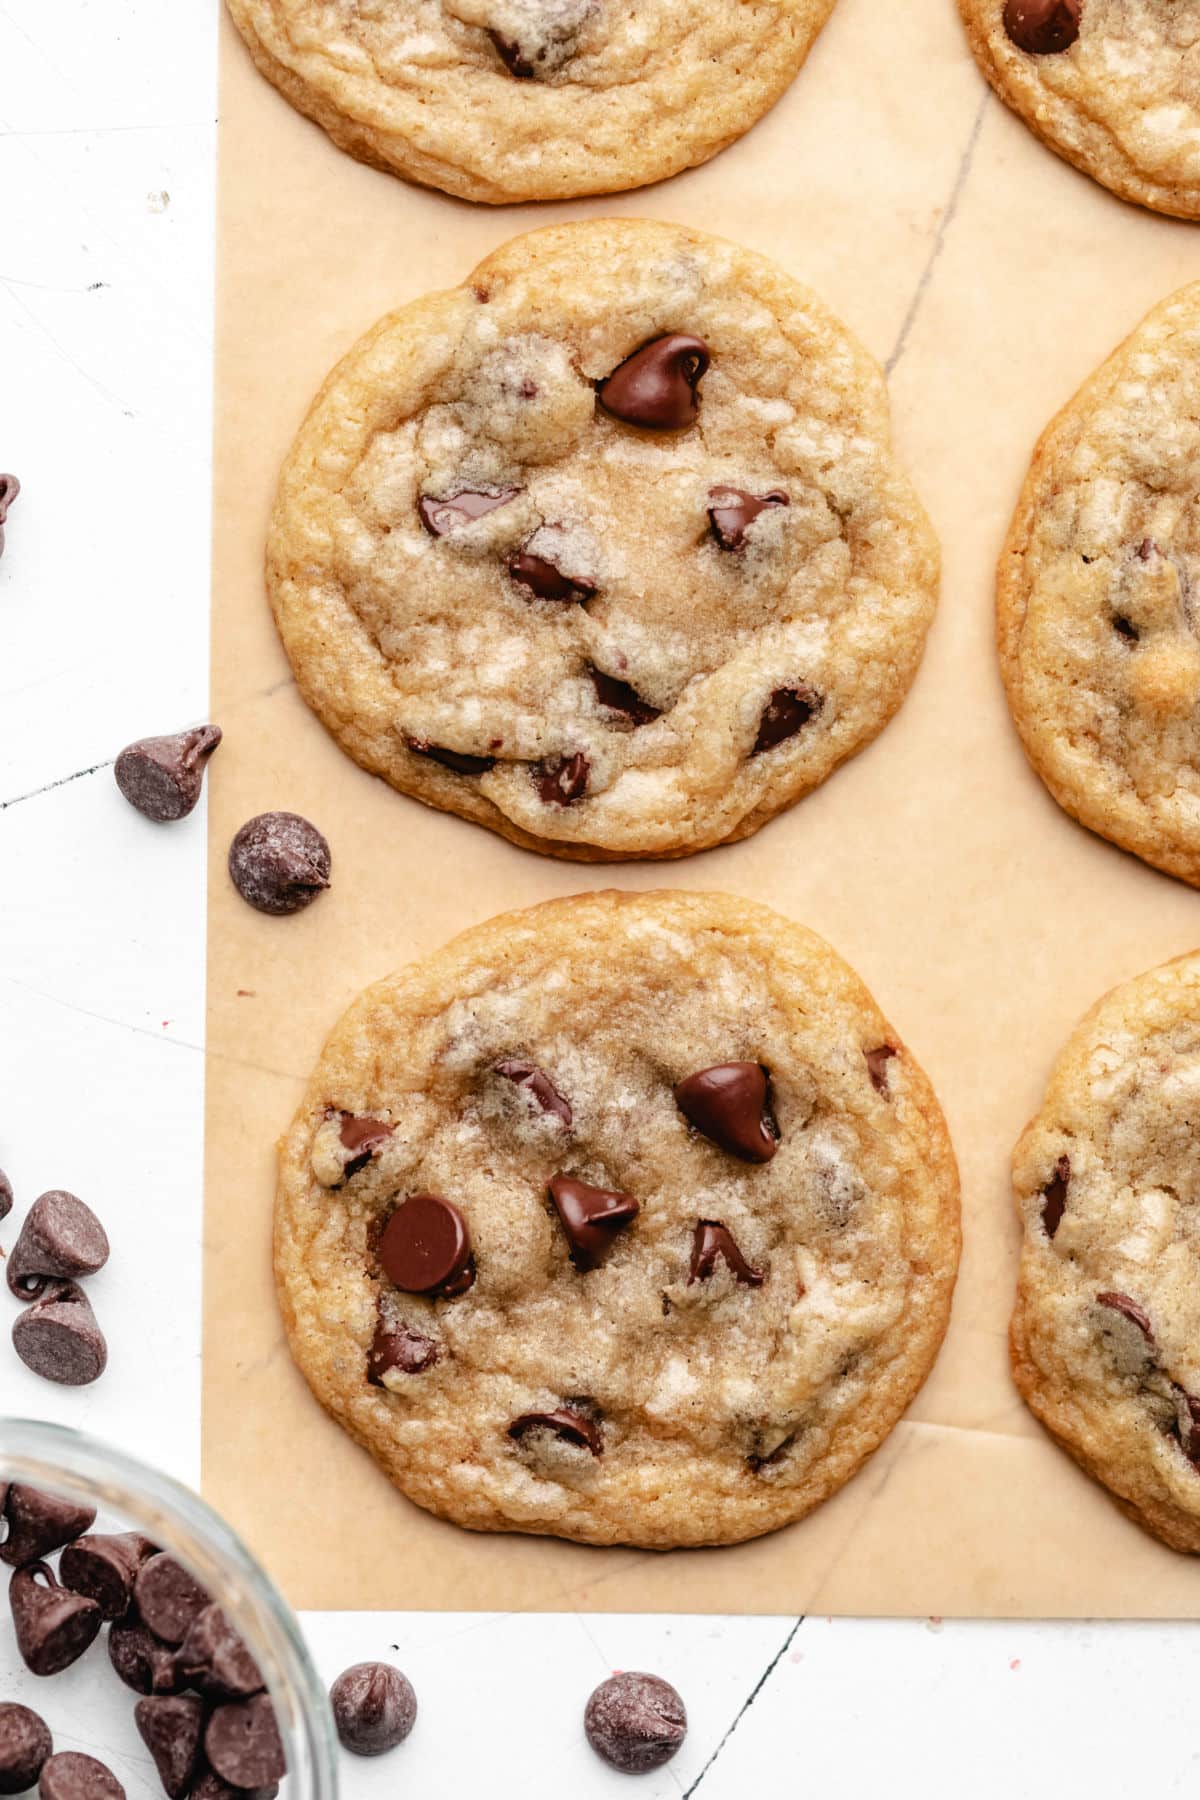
{"x":242,"y":1743}
{"x":512,"y":56}
{"x":539,"y":1084}
{"x":657,"y":387}
{"x":279,"y":863}
{"x":1128,"y":1309}
{"x":590,"y":1217}
{"x":162,"y":776}
{"x":562,"y":780}
{"x":635,"y":1722}
{"x":786,"y":712}
{"x":171,"y":1728}
{"x":776,"y":1456}
{"x":426,"y":1247}
{"x":362,"y":1138}
{"x":730,"y":1103}
{"x":573,"y":1427}
{"x":877,"y":1066}
{"x":1054,"y":1196}
{"x":1043,"y":27}
{"x":72,"y":1776}
{"x":38,"y":1524}
{"x":168,"y":1597}
{"x":105,"y":1568}
{"x":403,"y":1348}
{"x":374,"y":1708}
{"x":10,"y":487}
{"x":1125,"y":628}
{"x":731,"y":511}
{"x":61,"y":1240}
{"x":25,"y":1744}
{"x":457,"y":760}
{"x":53,"y":1626}
{"x":1187,"y":1425}
{"x":710,"y":1241}
{"x":547,"y":582}
{"x":440,"y":516}
{"x":619,"y":697}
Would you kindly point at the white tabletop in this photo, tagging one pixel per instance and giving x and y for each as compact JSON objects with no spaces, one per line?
{"x":107,"y":143}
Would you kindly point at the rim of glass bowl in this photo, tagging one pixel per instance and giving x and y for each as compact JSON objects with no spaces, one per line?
{"x":81,"y":1468}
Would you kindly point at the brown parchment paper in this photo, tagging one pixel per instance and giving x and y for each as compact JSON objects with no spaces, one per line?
{"x":991,"y":278}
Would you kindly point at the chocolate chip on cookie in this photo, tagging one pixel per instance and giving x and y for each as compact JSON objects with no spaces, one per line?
{"x":104,"y":1568}
{"x":590,"y":1217}
{"x":1128,"y":1309}
{"x":1054,"y":1196}
{"x":61,"y":1240}
{"x":35,"y":1524}
{"x":538,"y":1084}
{"x":439,"y":517}
{"x":361,"y":1138}
{"x":53,"y":1626}
{"x":10,"y":487}
{"x":168,"y":1597}
{"x":1043,"y":27}
{"x":242,"y":1743}
{"x":877,"y":1066}
{"x":562,"y":780}
{"x":545,"y":581}
{"x":619,"y":697}
{"x":374,"y":1708}
{"x":59,"y":1339}
{"x":711,"y":1242}
{"x":279,"y":863}
{"x":162,"y":776}
{"x":458,"y":761}
{"x":426,"y":1248}
{"x":786,"y":712}
{"x":73,"y":1776}
{"x":730,"y":1104}
{"x":732,"y":511}
{"x":658,"y":387}
{"x":399,"y":1349}
{"x":25,"y":1745}
{"x":573,"y":1427}
{"x":171,"y":1726}
{"x":636,"y":1722}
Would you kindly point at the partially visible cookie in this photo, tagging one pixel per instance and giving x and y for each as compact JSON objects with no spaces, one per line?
{"x":1098,"y":591}
{"x":505,"y":100}
{"x":626,"y":1219}
{"x":606,"y":549}
{"x":1106,"y":1330}
{"x":1111,"y":85}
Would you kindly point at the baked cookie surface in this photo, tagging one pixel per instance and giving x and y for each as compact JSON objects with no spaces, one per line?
{"x":1106,"y":1330}
{"x":626,"y":1219}
{"x":1096,"y":609}
{"x":605,"y":549}
{"x":1111,"y":85}
{"x":506,"y":100}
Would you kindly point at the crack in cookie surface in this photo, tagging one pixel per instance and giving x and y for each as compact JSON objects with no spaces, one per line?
{"x":662,"y":1342}
{"x":618,"y":522}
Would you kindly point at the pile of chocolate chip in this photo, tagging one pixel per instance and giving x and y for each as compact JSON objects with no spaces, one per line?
{"x":61,"y":1242}
{"x":204,"y":1714}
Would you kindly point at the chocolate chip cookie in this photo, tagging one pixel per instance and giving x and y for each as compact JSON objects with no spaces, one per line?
{"x":626,"y":1218}
{"x":1096,"y":600}
{"x":1111,"y":85}
{"x":504,"y":100}
{"x":1106,"y":1331}
{"x":605,"y":549}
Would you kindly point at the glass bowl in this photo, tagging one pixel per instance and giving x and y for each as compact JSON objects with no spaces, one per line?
{"x":65,"y":1462}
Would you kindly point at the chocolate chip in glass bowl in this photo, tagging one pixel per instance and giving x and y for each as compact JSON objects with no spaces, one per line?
{"x":374,"y":1708}
{"x":208,"y":1785}
{"x":215,"y":1659}
{"x":241,"y":1742}
{"x":141,"y":1660}
{"x":58,"y":1337}
{"x":171,"y":1727}
{"x":61,"y":1240}
{"x":635,"y":1722}
{"x":71,"y":1776}
{"x":104,"y":1568}
{"x":161,"y":777}
{"x":54,"y":1626}
{"x":168,"y":1598}
{"x":279,"y":863}
{"x":38,"y":1524}
{"x":25,"y":1745}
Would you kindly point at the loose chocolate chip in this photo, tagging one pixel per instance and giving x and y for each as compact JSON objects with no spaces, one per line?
{"x":635,"y":1722}
{"x":440,"y":516}
{"x":514,"y":61}
{"x":61,"y":1239}
{"x":25,"y":1744}
{"x":374,"y":1708}
{"x":590,"y":1216}
{"x":710,"y":1241}
{"x":171,"y":1728}
{"x":58,"y":1337}
{"x":731,"y":511}
{"x":362,"y":1138}
{"x":546,"y":582}
{"x":1128,"y":1309}
{"x":426,"y":1247}
{"x":143,"y":1662}
{"x":1043,"y":27}
{"x":6,"y":1195}
{"x":10,"y":487}
{"x":730,"y":1104}
{"x":162,"y":776}
{"x":877,"y":1066}
{"x":279,"y":863}
{"x":566,"y":1423}
{"x":562,"y":780}
{"x":539,"y":1084}
{"x":104,"y":1569}
{"x":70,"y":1776}
{"x":619,"y":697}
{"x":208,"y":1785}
{"x":168,"y":1598}
{"x":242,"y":1743}
{"x":786,"y":712}
{"x":657,"y":387}
{"x":54,"y":1627}
{"x":457,"y":760}
{"x":1054,"y":1196}
{"x":215,"y":1659}
{"x":38,"y":1524}
{"x":405,"y":1349}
